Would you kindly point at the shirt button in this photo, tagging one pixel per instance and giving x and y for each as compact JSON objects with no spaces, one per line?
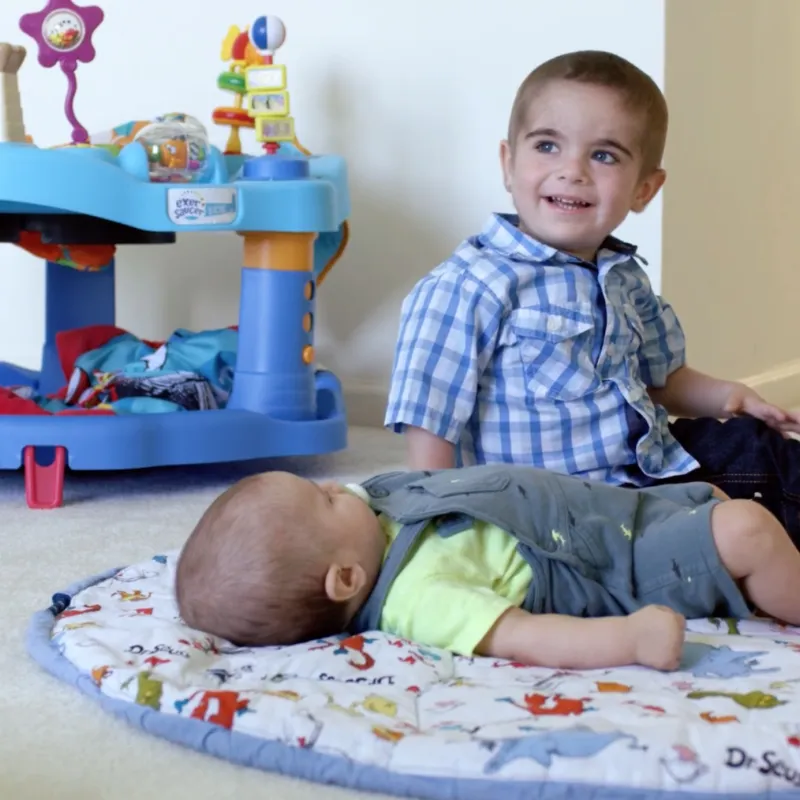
{"x":553,"y":324}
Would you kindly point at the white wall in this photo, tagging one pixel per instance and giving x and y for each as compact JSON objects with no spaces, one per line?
{"x":415,"y":94}
{"x":731,"y":233}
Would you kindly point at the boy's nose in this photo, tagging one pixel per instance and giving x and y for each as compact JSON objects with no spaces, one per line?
{"x":573,"y":171}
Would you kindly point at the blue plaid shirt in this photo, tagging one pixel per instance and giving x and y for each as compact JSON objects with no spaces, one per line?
{"x":517,"y":352}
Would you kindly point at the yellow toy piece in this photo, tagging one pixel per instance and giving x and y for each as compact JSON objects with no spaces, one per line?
{"x":274,"y":129}
{"x":268,"y":104}
{"x":265,"y":76}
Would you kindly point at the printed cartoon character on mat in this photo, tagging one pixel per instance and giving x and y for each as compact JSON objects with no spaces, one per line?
{"x":205,"y":645}
{"x":301,"y":730}
{"x":148,"y":690}
{"x":99,"y":674}
{"x":647,"y":709}
{"x":77,"y":612}
{"x":224,"y":675}
{"x":713,"y":719}
{"x":749,"y":700}
{"x":420,"y":655}
{"x":135,"y":596}
{"x":355,"y":648}
{"x":683,"y":764}
{"x":74,"y":626}
{"x":730,"y":625}
{"x":708,"y":661}
{"x":217,"y":707}
{"x":133,"y":574}
{"x":543,"y":746}
{"x":541,"y":705}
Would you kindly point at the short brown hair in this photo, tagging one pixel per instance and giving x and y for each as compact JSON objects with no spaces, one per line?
{"x":638,"y":90}
{"x":252,"y":571}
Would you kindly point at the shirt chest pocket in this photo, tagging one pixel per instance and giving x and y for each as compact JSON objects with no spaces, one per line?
{"x":554,"y":344}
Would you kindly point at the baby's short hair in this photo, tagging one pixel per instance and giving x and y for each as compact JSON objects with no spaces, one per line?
{"x":253,"y":570}
{"x":638,"y":90}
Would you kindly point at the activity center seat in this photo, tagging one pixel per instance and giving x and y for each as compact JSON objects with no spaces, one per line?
{"x":102,"y":398}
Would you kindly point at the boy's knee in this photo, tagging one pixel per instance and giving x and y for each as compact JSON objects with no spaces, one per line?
{"x":745,"y":525}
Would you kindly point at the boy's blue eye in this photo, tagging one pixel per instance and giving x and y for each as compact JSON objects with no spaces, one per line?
{"x":545,"y":147}
{"x":604,"y":157}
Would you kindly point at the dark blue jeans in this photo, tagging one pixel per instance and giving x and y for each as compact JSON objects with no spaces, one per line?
{"x":747,"y":460}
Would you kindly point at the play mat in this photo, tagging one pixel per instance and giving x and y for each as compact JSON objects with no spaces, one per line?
{"x":383,"y":714}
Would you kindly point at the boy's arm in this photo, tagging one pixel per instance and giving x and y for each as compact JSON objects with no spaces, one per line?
{"x":652,"y":637}
{"x":686,"y":392}
{"x":424,"y":450}
{"x":448,"y":331}
{"x":689,"y":393}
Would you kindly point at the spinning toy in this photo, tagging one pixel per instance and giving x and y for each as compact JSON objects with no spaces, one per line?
{"x":99,"y":400}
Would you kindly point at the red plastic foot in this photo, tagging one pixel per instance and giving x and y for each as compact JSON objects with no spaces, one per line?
{"x":44,"y":485}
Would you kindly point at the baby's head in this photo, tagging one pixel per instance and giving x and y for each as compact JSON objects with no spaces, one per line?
{"x":277,"y":560}
{"x":585,"y":141}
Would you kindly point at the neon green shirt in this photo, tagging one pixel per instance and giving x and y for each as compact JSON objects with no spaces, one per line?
{"x":453,"y":589}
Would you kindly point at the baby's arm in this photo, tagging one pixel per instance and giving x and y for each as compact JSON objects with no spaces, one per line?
{"x":448,"y":331}
{"x":652,"y":637}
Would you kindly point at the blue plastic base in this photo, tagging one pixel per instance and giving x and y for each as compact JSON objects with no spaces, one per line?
{"x":137,"y":441}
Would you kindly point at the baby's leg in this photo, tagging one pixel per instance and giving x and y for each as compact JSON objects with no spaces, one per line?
{"x":756,"y":550}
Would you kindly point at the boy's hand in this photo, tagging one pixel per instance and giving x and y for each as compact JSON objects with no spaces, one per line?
{"x":744,"y":401}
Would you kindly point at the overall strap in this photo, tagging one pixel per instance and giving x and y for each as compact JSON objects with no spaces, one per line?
{"x":369,"y":615}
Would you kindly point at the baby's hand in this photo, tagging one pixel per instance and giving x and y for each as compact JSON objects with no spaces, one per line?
{"x":658,"y":634}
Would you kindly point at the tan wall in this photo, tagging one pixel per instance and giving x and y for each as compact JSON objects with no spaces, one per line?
{"x":731,"y":265}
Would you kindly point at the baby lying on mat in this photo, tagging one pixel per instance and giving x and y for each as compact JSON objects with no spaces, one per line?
{"x":504,"y":561}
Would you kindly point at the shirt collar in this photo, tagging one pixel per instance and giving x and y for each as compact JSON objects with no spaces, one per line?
{"x":501,"y":234}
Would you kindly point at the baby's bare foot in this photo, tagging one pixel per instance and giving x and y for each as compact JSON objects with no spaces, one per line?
{"x":658,"y":634}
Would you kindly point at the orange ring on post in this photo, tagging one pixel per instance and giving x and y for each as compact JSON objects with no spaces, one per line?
{"x":235,"y":117}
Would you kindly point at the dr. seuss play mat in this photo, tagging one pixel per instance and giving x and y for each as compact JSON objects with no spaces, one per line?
{"x":379,"y":713}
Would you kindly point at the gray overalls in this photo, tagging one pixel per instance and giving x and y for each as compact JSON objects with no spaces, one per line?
{"x":595,"y":549}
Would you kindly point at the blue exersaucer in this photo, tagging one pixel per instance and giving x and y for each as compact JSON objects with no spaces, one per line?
{"x":280,"y":404}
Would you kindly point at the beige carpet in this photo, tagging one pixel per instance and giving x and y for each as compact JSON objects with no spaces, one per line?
{"x":56,"y":743}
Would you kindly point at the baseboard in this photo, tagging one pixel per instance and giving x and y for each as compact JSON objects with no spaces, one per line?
{"x":780,"y":385}
{"x":365,"y":402}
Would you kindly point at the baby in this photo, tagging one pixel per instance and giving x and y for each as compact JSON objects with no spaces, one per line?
{"x":505,"y":561}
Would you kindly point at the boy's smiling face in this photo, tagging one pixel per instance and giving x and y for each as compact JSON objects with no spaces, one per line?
{"x":576,"y":169}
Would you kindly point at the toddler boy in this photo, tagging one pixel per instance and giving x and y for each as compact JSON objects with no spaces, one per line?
{"x":540,"y":340}
{"x":499,"y":560}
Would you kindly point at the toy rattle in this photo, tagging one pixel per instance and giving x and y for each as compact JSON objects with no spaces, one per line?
{"x":64,"y":32}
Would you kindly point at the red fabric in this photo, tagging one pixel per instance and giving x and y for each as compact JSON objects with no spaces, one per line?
{"x":12,"y":404}
{"x":70,"y":345}
{"x":74,"y":343}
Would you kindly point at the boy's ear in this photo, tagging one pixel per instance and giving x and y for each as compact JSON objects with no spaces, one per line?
{"x":648,"y":189}
{"x":343,"y":583}
{"x":506,"y":158}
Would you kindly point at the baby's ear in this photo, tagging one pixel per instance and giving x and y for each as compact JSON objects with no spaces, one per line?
{"x":344,"y":583}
